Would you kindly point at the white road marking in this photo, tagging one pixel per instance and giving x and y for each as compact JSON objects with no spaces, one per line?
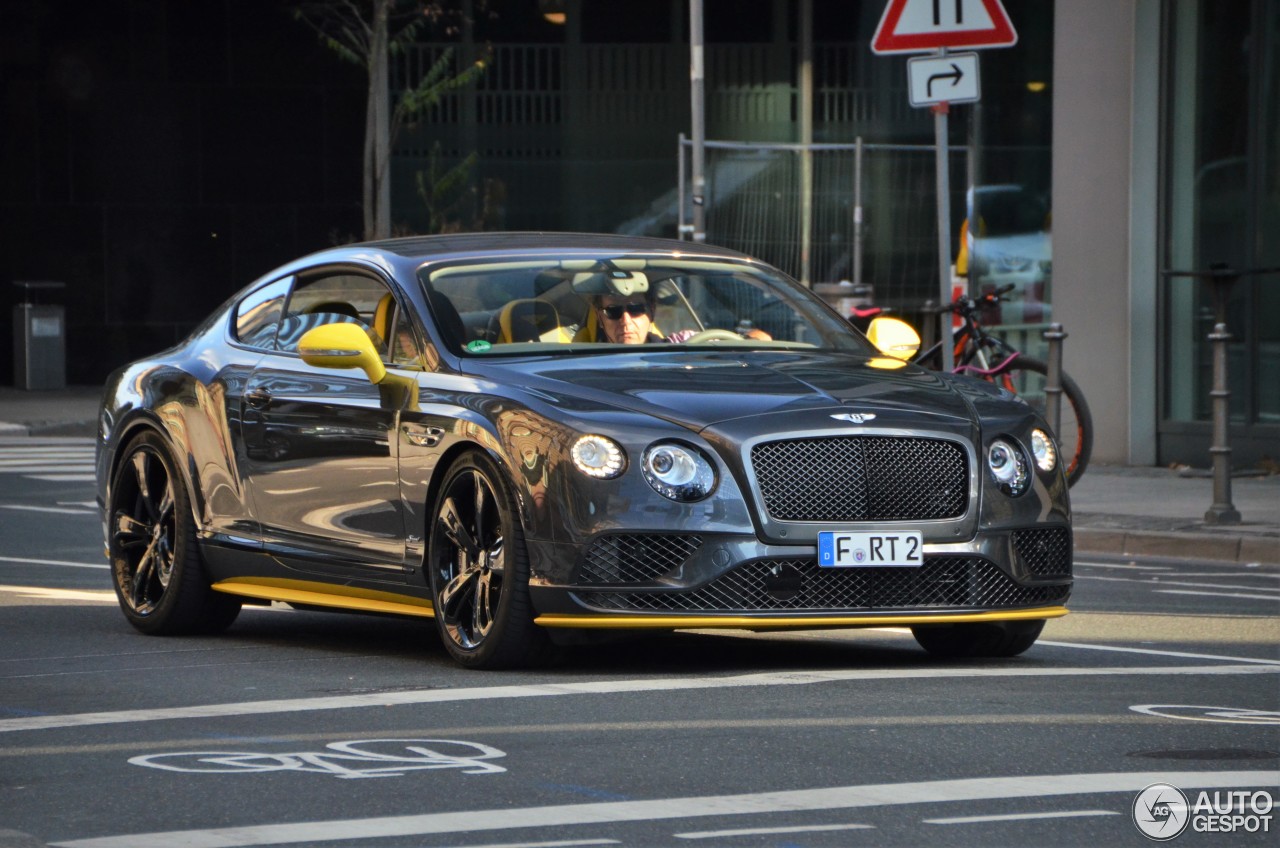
{"x":660,"y":809}
{"x":1216,"y":594}
{"x":1128,"y":566}
{"x":29,"y":561}
{"x":1179,"y":654}
{"x":382,"y":700}
{"x":56,"y":463}
{"x":1159,"y":582}
{"x":97,"y":595}
{"x":23,"y":465}
{"x":60,"y":510}
{"x":765,"y":831}
{"x":1219,"y":715}
{"x":1065,"y":814}
{"x":1254,"y":574}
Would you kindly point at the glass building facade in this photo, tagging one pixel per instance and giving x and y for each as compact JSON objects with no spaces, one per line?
{"x":1221,"y":202}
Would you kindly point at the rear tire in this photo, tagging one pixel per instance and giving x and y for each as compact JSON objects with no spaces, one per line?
{"x":983,"y":639}
{"x":1026,"y":377}
{"x":479,"y":571}
{"x":156,"y":568}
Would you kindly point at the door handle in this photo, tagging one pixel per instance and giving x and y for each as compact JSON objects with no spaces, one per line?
{"x":257,"y":398}
{"x":423,"y":437}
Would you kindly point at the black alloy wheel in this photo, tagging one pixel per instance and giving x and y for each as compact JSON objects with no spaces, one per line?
{"x":479,"y":570}
{"x":155,"y":562}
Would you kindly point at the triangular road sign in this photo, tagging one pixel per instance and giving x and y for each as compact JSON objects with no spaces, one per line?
{"x":916,"y":26}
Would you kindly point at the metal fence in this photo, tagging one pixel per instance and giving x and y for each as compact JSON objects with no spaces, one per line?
{"x":872,"y":207}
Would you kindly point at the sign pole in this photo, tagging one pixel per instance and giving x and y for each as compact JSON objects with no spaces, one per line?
{"x":920,"y":26}
{"x":944,"y":231}
{"x":697,"y":97}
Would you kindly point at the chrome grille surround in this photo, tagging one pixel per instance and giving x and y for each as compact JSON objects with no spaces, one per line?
{"x":1045,"y":551}
{"x":636,"y":557}
{"x":943,"y":582}
{"x":843,"y":478}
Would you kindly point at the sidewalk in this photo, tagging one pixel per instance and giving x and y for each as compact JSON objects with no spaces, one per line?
{"x":1118,"y":509}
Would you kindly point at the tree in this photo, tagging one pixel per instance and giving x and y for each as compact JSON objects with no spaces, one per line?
{"x":368,"y":33}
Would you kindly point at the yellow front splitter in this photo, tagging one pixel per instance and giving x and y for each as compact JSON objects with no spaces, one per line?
{"x":743,"y":622}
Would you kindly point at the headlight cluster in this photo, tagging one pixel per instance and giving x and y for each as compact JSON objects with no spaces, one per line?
{"x":1007,"y":461}
{"x":675,"y":471}
{"x":1043,"y":449}
{"x":1008,"y":467}
{"x":599,"y":457}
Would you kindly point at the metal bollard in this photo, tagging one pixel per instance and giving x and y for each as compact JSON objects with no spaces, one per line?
{"x":1222,"y":510}
{"x":1053,"y":381}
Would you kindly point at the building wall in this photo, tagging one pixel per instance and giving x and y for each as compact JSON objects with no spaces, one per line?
{"x":158,"y":156}
{"x":1092,"y":174}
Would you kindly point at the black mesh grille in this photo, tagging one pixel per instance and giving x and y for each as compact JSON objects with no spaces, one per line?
{"x":862,"y":478}
{"x":635,"y":558}
{"x":1044,"y":551}
{"x":941,"y":583}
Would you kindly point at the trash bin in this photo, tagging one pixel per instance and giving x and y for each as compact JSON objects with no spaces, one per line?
{"x":39,"y":339}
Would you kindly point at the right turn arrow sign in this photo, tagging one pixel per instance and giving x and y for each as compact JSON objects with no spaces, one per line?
{"x":949,"y":78}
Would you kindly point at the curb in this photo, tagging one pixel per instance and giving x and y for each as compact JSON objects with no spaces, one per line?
{"x":1210,"y":546}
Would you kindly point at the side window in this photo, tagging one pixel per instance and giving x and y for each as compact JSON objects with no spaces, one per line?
{"x":403,"y":347}
{"x":339,"y":298}
{"x":258,"y":314}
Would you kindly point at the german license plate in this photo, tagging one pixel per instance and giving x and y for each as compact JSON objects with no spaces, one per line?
{"x":870,"y":550}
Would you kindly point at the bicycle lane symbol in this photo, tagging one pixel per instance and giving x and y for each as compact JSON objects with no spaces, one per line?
{"x":358,"y":758}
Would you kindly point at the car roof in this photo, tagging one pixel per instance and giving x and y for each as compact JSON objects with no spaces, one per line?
{"x":435,"y":247}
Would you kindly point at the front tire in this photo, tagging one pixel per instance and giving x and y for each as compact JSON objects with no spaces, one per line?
{"x":479,"y":570}
{"x":984,"y":639}
{"x":156,"y":569}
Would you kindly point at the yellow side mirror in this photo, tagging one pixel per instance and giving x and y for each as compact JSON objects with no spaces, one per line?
{"x":893,"y":337}
{"x":341,"y":346}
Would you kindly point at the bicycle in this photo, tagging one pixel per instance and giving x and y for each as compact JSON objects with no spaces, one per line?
{"x":985,"y":356}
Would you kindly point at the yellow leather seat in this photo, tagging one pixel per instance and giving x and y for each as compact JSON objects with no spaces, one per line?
{"x":530,"y":321}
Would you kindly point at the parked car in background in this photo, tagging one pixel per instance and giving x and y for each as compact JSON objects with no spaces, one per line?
{"x":440,"y":427}
{"x":1011,"y":244}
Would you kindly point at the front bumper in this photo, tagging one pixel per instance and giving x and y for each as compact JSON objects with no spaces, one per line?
{"x":660,"y":580}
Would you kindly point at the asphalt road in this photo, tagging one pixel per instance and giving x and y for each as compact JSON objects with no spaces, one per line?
{"x":340,"y":730}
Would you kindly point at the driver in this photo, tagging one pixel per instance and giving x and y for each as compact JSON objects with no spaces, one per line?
{"x":628,"y":319}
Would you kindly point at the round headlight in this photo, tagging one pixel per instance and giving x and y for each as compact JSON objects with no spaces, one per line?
{"x":1042,"y":448}
{"x":1008,"y":467}
{"x":597,"y":456}
{"x":678,"y":472}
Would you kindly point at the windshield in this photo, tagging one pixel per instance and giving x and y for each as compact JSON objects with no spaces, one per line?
{"x":573,"y":306}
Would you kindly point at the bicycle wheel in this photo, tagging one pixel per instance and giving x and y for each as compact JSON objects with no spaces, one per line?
{"x":1026,"y":376}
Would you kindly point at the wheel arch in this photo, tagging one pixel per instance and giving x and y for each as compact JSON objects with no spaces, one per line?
{"x":144,"y":421}
{"x":446,"y":461}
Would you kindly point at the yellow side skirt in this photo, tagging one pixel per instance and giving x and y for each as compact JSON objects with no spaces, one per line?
{"x":743,"y":622}
{"x":368,"y":600}
{"x":325,"y":595}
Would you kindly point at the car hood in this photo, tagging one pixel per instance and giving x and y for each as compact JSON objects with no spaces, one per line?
{"x":698,"y":389}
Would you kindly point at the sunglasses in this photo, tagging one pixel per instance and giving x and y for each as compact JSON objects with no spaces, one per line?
{"x":614,"y":313}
